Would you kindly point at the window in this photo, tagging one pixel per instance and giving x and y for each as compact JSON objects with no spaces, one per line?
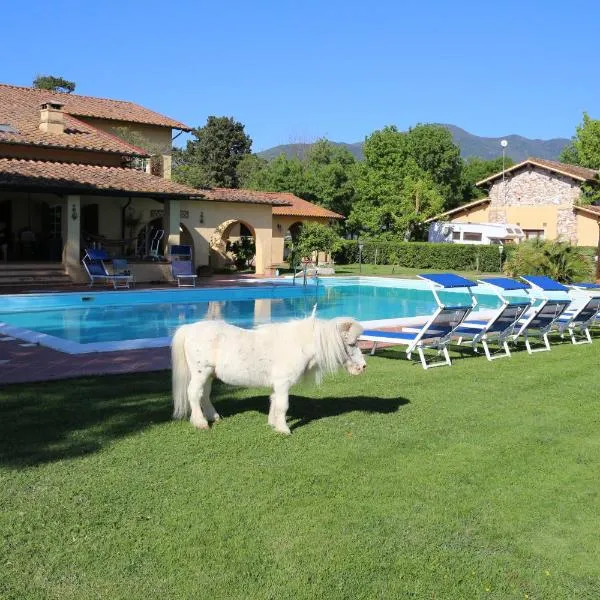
{"x":472,"y":236}
{"x":534,"y":234}
{"x":456,"y":235}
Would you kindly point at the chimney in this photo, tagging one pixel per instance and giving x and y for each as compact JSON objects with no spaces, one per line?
{"x":52,"y":118}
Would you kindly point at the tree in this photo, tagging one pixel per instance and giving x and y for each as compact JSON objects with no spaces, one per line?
{"x":477,"y":169}
{"x":54,"y":84}
{"x":584,"y":151}
{"x":328,"y":172}
{"x":281,"y":174}
{"x":316,"y":237}
{"x":404,"y":179}
{"x":211,"y":160}
{"x":249,"y":168}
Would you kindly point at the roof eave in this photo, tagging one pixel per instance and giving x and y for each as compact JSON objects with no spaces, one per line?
{"x":73,"y":148}
{"x":457,"y":210}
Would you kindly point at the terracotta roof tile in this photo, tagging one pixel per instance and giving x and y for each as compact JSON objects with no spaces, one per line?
{"x":20,"y":110}
{"x":90,"y":106}
{"x":283,"y":203}
{"x":580,"y":173}
{"x":47,"y":175}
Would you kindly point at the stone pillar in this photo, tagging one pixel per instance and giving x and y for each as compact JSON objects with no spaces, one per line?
{"x":71,"y":247}
{"x":171,"y":221}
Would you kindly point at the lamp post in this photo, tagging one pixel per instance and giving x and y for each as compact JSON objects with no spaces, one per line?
{"x":503,"y":143}
{"x":360,"y":249}
{"x":501,"y":251}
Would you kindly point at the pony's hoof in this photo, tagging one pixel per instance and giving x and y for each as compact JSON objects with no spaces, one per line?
{"x":284,"y":430}
{"x":201,"y":425}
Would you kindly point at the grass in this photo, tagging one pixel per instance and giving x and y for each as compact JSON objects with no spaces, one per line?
{"x":396,"y":271}
{"x":475,"y":481}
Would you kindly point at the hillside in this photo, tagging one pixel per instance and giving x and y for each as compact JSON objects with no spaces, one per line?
{"x":519,"y":148}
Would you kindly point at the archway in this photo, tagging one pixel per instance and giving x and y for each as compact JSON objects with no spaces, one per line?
{"x":289,"y":240}
{"x":233,"y":245}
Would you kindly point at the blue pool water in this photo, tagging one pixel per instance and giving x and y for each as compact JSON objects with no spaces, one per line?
{"x":97,"y":319}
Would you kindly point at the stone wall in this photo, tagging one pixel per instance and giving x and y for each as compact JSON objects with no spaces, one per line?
{"x":537,"y":187}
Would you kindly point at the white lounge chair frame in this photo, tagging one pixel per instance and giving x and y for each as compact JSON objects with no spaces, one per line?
{"x":482,"y":332}
{"x":427,"y":337}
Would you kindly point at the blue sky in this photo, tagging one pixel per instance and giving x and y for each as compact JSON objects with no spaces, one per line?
{"x":294,"y":71}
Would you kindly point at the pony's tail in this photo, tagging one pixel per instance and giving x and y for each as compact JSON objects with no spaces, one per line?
{"x":181,"y":374}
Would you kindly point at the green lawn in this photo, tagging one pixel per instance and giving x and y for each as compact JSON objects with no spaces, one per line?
{"x":396,"y":271}
{"x":475,"y":481}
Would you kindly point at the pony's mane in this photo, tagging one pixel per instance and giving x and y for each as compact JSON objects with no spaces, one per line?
{"x":330,"y":350}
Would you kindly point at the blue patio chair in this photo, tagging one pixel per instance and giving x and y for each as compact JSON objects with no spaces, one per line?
{"x":120,"y":267}
{"x":93,"y":263}
{"x":439,"y":329}
{"x":501,"y":324}
{"x":182,"y":266}
{"x":539,"y":321}
{"x":183,"y":273}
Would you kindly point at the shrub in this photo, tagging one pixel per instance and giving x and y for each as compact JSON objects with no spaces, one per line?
{"x":423,"y":255}
{"x":559,"y":260}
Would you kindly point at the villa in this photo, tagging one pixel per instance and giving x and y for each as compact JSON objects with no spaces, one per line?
{"x":541,"y":197}
{"x":67,"y":180}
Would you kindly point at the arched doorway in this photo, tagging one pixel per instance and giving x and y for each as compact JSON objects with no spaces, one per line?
{"x":233,"y":245}
{"x":289,"y":241}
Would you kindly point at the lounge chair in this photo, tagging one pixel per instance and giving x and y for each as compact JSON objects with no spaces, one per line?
{"x":581,"y":314}
{"x":120,"y":267}
{"x":501,"y":324}
{"x":541,"y":318}
{"x":93,"y":263}
{"x":439,"y":329}
{"x":182,"y":266}
{"x":183,"y":273}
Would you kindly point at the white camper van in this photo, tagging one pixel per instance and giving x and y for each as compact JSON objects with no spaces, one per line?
{"x":475,"y":233}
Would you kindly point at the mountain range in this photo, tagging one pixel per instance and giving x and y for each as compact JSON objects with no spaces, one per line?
{"x":519,"y":147}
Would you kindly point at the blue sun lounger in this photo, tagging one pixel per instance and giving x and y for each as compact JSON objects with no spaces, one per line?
{"x":93,"y":263}
{"x":502,"y":323}
{"x":581,"y":314}
{"x":552,"y":298}
{"x":439,"y":329}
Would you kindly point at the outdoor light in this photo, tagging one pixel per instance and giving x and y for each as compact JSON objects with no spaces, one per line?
{"x":201,"y":217}
{"x":278,"y":226}
{"x":74,"y":214}
{"x":360,"y":249}
{"x":503,"y":143}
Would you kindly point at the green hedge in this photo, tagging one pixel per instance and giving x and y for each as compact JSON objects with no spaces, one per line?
{"x":423,"y":255}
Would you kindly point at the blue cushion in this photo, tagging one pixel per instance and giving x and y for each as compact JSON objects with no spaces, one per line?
{"x":545,"y":283}
{"x":390,"y":334}
{"x":448,"y":280}
{"x":506,"y":283}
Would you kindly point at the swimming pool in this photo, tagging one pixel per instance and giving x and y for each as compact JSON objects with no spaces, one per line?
{"x":115,"y":320}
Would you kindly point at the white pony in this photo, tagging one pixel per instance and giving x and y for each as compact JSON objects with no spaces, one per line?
{"x":276,"y":355}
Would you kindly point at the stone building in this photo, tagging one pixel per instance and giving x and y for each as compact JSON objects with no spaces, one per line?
{"x":541,"y":196}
